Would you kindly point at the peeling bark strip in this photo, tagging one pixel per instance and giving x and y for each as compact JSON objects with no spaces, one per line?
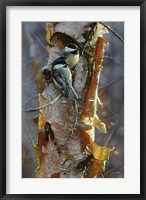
{"x":88,"y":115}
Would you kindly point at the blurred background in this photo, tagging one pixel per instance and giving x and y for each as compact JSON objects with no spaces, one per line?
{"x":111,"y":93}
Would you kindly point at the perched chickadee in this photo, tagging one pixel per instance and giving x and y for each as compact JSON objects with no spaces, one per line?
{"x":62,"y":77}
{"x":70,"y":54}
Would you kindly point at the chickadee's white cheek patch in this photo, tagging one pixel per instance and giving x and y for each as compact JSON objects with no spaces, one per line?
{"x":73,"y":100}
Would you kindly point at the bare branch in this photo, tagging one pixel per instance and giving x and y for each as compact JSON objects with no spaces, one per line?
{"x":113,"y":131}
{"x":26,"y":156}
{"x":114,"y":32}
{"x":114,"y":81}
{"x":115,"y":168}
{"x":88,"y":38}
{"x":29,"y":61}
{"x":44,"y":106}
{"x":32,"y":97}
{"x":38,"y":39}
{"x":26,"y":128}
{"x":114,"y":59}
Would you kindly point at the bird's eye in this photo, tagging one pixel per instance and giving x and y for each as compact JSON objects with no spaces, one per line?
{"x":72,"y":46}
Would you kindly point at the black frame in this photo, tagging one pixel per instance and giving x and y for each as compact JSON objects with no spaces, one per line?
{"x":3,"y":5}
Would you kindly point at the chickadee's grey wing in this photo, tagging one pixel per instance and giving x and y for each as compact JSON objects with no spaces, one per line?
{"x":63,"y":76}
{"x":60,"y":79}
{"x":67,"y":86}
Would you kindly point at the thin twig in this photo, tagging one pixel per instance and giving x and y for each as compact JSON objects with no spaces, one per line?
{"x":29,"y":61}
{"x":32,"y":97}
{"x":27,"y":130}
{"x":107,"y":85}
{"x":28,"y":82}
{"x":114,"y":81}
{"x":114,"y":59}
{"x":38,"y":39}
{"x":27,"y":155}
{"x":113,"y":113}
{"x":114,"y":32}
{"x":88,"y":38}
{"x":115,"y":168}
{"x":110,"y":118}
{"x":44,"y":106}
{"x":113,"y":131}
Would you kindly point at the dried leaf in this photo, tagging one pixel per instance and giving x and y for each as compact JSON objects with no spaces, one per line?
{"x":98,"y":152}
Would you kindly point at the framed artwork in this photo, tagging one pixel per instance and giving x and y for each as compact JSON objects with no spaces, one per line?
{"x":72,"y":121}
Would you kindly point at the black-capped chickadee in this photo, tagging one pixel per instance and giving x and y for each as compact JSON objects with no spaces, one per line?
{"x":70,"y":54}
{"x":62,"y":77}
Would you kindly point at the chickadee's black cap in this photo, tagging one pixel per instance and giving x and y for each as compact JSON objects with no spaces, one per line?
{"x":72,"y":45}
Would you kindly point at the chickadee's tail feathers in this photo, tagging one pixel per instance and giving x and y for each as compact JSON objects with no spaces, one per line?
{"x":72,"y":93}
